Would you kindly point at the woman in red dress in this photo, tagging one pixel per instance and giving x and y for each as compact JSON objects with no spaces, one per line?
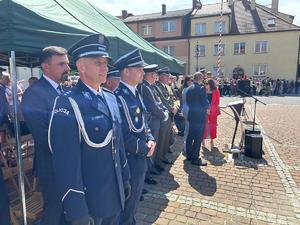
{"x":213,"y":95}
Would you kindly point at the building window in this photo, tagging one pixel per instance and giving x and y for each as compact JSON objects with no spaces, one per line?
{"x":200,"y":28}
{"x":169,"y":50}
{"x":147,"y":30}
{"x":216,"y":49}
{"x":200,"y":51}
{"x":260,"y":70}
{"x":215,"y":71}
{"x":239,"y":48}
{"x":168,"y":26}
{"x":219,"y":26}
{"x":261,"y":46}
{"x":271,"y":22}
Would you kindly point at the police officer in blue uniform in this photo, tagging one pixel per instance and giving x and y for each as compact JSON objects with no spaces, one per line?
{"x":138,"y":140}
{"x":156,"y":112}
{"x":90,"y":166}
{"x":37,"y":104}
{"x":112,"y":80}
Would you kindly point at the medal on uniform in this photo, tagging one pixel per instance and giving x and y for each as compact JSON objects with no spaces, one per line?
{"x":138,"y":110}
{"x":136,"y":119}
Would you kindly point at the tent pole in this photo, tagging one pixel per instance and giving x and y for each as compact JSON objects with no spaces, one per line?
{"x":13,"y":73}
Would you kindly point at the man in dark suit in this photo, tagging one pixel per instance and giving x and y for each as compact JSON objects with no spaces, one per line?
{"x":4,"y":107}
{"x":198,"y":104}
{"x":37,"y":103}
{"x":156,"y":112}
{"x":85,"y":136}
{"x":138,"y":140}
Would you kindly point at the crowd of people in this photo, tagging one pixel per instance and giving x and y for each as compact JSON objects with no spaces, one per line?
{"x":261,"y":87}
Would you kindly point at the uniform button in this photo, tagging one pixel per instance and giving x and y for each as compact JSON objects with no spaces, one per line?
{"x":96,"y":128}
{"x":84,"y":188}
{"x":116,"y":165}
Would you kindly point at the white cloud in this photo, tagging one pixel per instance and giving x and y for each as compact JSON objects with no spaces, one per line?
{"x":137,"y":7}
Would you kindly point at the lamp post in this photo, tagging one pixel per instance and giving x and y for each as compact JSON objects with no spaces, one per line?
{"x":197,"y":51}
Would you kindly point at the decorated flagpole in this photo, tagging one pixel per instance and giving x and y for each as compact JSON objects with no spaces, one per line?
{"x":220,"y":49}
{"x":12,"y":62}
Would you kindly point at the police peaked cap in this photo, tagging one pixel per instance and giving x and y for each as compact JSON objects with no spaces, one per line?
{"x":114,"y":73}
{"x":92,"y":45}
{"x":131,"y":59}
{"x":164,"y":71}
{"x":150,"y":68}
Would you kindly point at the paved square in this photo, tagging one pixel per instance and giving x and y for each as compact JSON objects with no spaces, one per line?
{"x":243,"y":191}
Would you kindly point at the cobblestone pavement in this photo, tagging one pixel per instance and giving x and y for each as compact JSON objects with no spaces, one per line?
{"x":242,"y":191}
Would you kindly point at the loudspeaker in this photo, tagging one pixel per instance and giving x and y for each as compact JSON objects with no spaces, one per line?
{"x":243,"y":88}
{"x":251,"y":131}
{"x":253,"y":145}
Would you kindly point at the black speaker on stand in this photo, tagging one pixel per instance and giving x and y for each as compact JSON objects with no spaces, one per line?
{"x":253,"y":138}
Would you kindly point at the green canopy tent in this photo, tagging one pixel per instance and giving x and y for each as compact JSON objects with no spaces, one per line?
{"x":26,"y":26}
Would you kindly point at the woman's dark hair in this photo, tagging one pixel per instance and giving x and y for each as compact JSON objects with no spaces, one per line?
{"x":186,"y":80}
{"x":212,"y":84}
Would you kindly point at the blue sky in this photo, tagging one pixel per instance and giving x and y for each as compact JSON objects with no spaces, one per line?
{"x":137,"y":7}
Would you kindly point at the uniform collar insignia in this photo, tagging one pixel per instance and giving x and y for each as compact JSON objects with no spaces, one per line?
{"x":87,"y":95}
{"x":125,"y":91}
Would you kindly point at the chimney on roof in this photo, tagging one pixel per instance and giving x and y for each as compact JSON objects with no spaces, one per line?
{"x":124,"y":14}
{"x":275,"y":4}
{"x":252,"y":5}
{"x":230,"y":2}
{"x":197,"y":4}
{"x":163,"y":9}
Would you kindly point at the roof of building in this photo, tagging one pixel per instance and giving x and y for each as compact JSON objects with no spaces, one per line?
{"x":155,"y":16}
{"x":284,"y":16}
{"x":245,"y":20}
{"x":212,"y":10}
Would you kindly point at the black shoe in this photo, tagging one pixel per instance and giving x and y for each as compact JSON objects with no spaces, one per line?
{"x":141,"y":198}
{"x":159,"y":168}
{"x":199,"y":162}
{"x":166,"y":161}
{"x":150,"y":180}
{"x":145,"y":191}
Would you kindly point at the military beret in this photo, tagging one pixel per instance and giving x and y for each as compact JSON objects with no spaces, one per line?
{"x":131,"y":59}
{"x":92,"y":45}
{"x":164,"y":71}
{"x":150,"y":68}
{"x":114,"y":73}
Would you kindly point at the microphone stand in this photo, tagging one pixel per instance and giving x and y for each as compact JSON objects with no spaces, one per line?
{"x":256,"y":100}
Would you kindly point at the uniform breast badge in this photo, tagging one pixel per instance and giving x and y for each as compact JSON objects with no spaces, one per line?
{"x":136,"y":119}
